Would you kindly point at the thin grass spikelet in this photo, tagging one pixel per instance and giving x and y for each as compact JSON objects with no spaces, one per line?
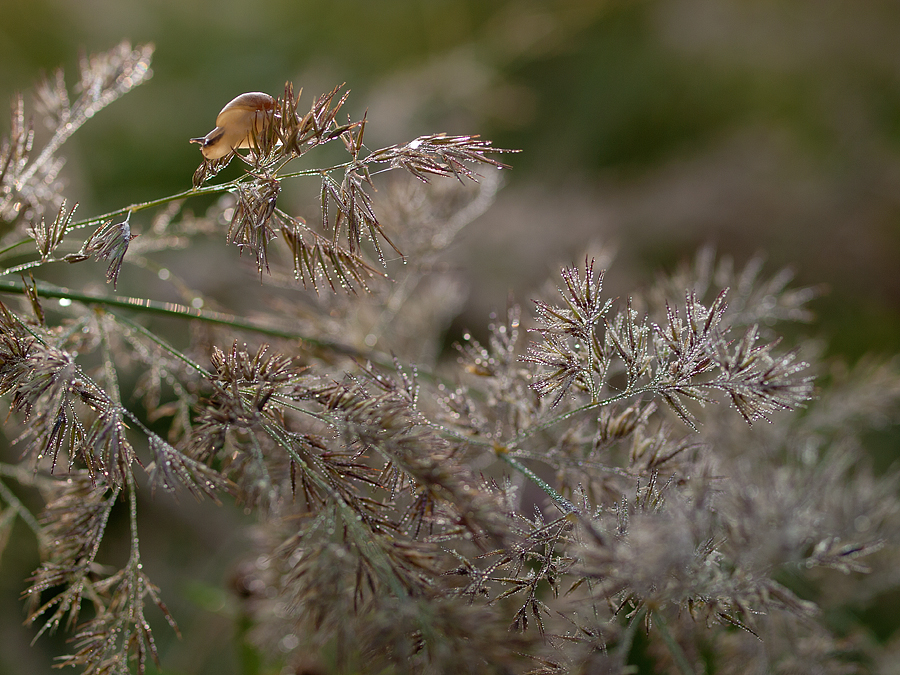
{"x":49,"y":236}
{"x":439,"y":155}
{"x":251,"y":225}
{"x":108,"y":242}
{"x":316,"y":257}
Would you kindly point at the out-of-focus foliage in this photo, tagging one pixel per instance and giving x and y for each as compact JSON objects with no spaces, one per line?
{"x":656,"y":125}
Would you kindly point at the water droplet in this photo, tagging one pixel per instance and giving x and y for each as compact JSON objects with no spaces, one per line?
{"x":289,"y":643}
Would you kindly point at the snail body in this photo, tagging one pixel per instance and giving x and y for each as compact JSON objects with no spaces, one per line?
{"x":235,"y":123}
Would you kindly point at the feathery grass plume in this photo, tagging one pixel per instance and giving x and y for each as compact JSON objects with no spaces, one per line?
{"x":684,"y":360}
{"x":119,"y":632}
{"x":668,"y":544}
{"x":30,"y":185}
{"x":564,"y":497}
{"x":75,"y":519}
{"x":284,"y":135}
{"x":377,"y":413}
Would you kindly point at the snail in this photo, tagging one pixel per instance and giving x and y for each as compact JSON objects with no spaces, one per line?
{"x":234,"y":124}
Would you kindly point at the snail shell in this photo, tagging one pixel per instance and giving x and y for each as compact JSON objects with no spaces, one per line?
{"x":234,"y":124}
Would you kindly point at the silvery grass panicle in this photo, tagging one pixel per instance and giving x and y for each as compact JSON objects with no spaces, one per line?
{"x":599,"y":483}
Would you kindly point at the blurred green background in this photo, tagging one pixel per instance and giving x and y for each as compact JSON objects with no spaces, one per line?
{"x":651,"y":127}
